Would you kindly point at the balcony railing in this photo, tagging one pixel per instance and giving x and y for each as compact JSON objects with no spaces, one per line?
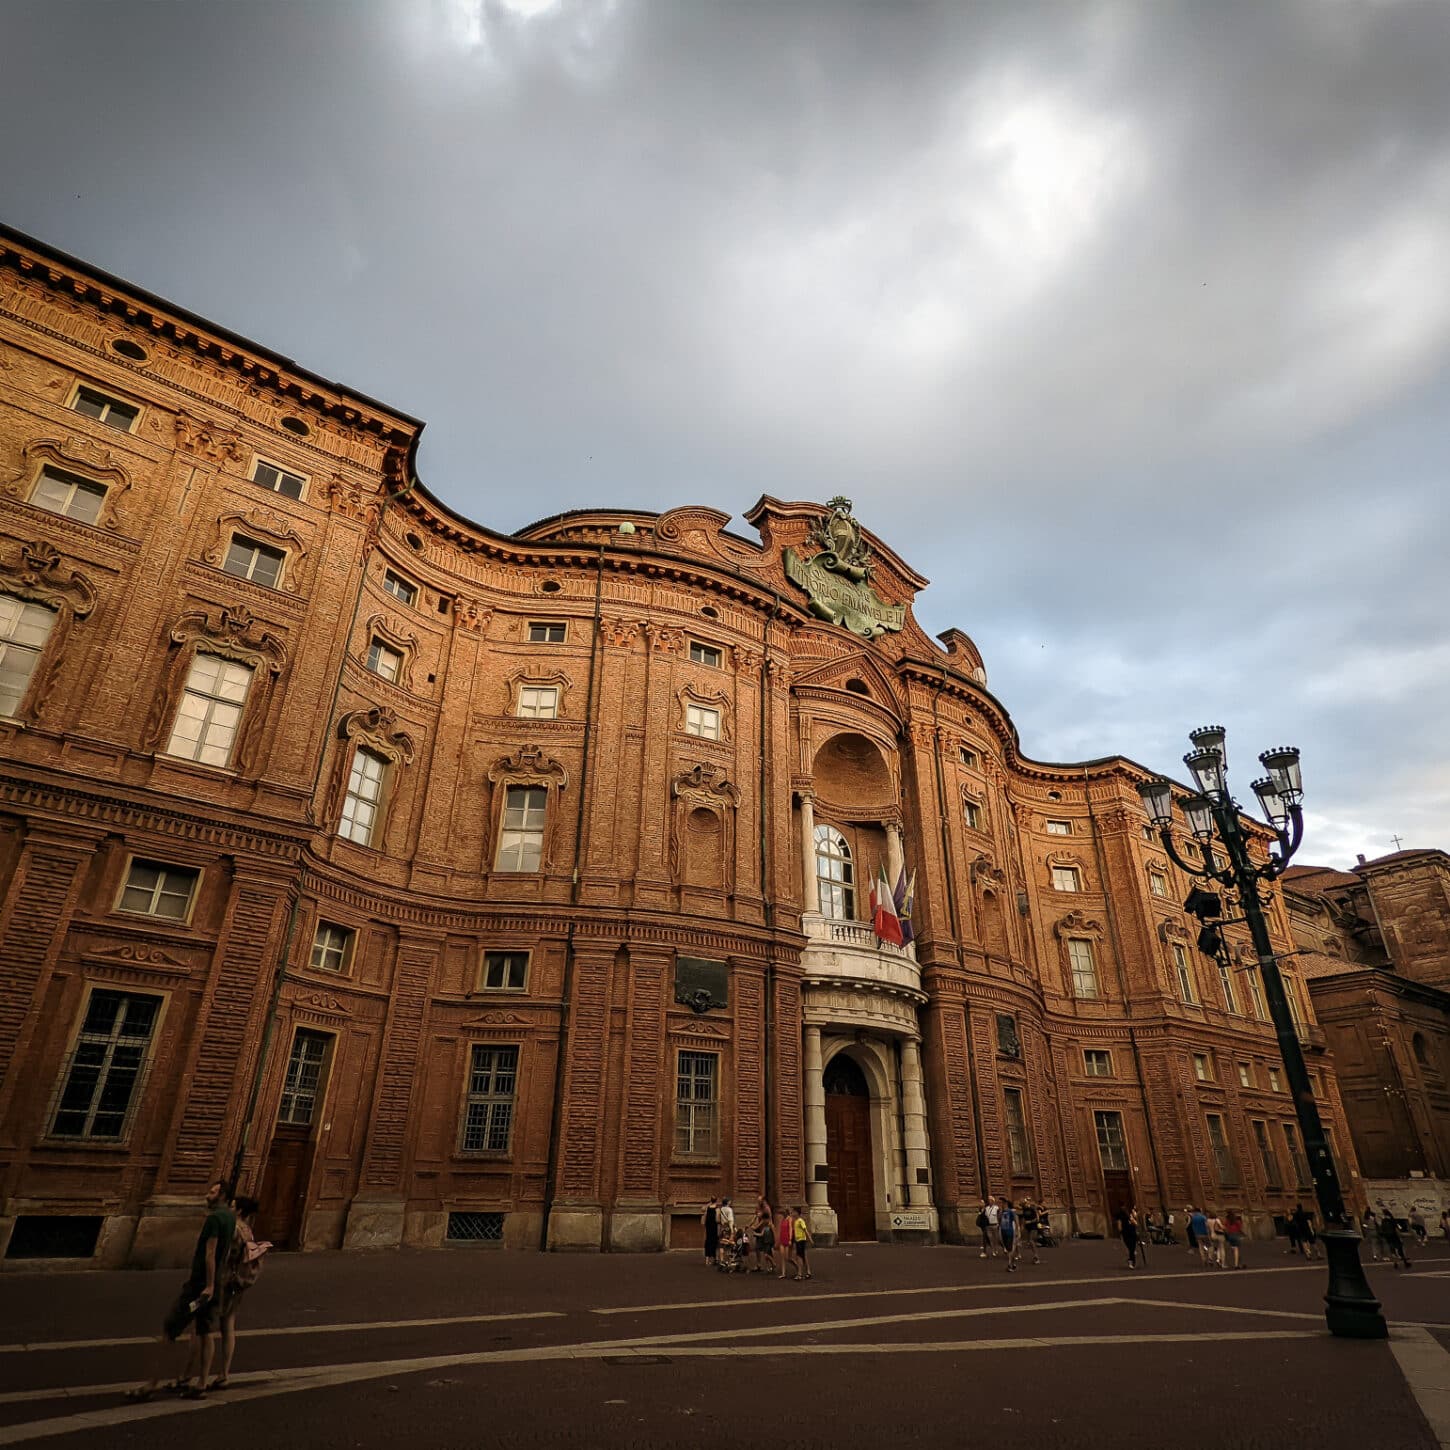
{"x":850,"y":951}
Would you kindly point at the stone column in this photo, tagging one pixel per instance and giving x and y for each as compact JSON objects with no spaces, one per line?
{"x":810,"y":892}
{"x":819,"y":1212}
{"x":894,"y":857}
{"x":914,"y":1128}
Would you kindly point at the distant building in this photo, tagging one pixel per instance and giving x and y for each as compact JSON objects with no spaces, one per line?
{"x":1377,"y":958}
{"x":555,"y":850}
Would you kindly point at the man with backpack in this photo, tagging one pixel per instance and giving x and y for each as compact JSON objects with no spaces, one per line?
{"x":244,"y":1264}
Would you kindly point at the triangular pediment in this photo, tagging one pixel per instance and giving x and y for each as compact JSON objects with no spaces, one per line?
{"x":838,"y":672}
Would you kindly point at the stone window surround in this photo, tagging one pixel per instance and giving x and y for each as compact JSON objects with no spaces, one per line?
{"x":538,"y":677}
{"x":37,"y":574}
{"x":260,"y":527}
{"x":79,"y":456}
{"x":527,"y":766}
{"x":375,"y":729}
{"x":378,"y":627}
{"x":718,"y":701}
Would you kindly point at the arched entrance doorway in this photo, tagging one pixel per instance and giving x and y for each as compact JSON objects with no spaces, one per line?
{"x":851,"y":1187}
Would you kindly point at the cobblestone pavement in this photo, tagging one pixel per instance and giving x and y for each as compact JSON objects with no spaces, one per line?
{"x":476,"y":1347}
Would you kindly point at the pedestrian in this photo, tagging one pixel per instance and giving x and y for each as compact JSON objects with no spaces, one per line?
{"x":1445,"y":1224}
{"x":198,"y":1305}
{"x":801,"y":1237}
{"x":763,"y":1231}
{"x":994,"y":1226}
{"x":1007,"y":1227}
{"x":1127,"y":1222}
{"x":711,"y":1219}
{"x":1031,"y":1228}
{"x":1291,"y":1228}
{"x":1303,"y":1230}
{"x":1191,"y":1216}
{"x":1198,"y":1227}
{"x":785,"y":1240}
{"x":982,"y":1229}
{"x":244,"y":1264}
{"x":726,"y":1214}
{"x":1390,"y":1239}
{"x":1233,"y":1234}
{"x":1216,"y":1241}
{"x":1417,"y":1224}
{"x":1369,"y":1227}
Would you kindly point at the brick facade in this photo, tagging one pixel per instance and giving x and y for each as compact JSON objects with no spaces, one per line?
{"x":604,"y":841}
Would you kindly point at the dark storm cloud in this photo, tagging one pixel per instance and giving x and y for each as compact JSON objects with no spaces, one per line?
{"x":1127,"y":324}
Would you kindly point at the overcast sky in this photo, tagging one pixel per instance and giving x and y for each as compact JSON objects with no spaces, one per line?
{"x":1127,"y":325}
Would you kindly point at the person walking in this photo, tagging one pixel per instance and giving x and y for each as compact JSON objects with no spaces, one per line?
{"x":711,"y":1219}
{"x":1390,"y":1240}
{"x":1233,"y":1235}
{"x":982,"y":1229}
{"x":726,"y":1215}
{"x":801,"y":1237}
{"x":785,"y":1240}
{"x":1031,"y":1227}
{"x":763,"y":1232}
{"x":994,"y":1226}
{"x":1007,"y":1227}
{"x":1198,"y":1227}
{"x":244,"y":1264}
{"x":1369,"y":1228}
{"x":1127,"y":1221}
{"x":1216,"y":1241}
{"x":1417,"y":1225}
{"x":198,"y":1303}
{"x":1191,"y":1217}
{"x":1303,"y":1230}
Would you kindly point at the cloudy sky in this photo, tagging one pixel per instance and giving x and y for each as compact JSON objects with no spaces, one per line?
{"x":1126,"y":324}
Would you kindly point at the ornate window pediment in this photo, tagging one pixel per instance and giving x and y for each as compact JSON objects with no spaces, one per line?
{"x":534,"y":678}
{"x":717,"y":701}
{"x":74,"y":455}
{"x":1077,"y":923}
{"x":379,"y":627}
{"x":529,"y":765}
{"x":377,"y":728}
{"x":263,"y":525}
{"x":526,"y":771}
{"x":36,"y":572}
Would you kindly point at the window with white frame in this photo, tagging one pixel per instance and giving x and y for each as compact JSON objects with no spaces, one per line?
{"x":1276,"y":1083}
{"x":1183,"y":970}
{"x":1149,"y":834}
{"x":705,"y":654}
{"x":973,"y":813}
{"x":1112,"y":1147}
{"x":401,"y":589}
{"x":210,"y":710}
{"x":1097,"y":1063}
{"x":1267,"y":1156}
{"x":488,"y":1113}
{"x":278,"y":480}
{"x":1226,"y":982}
{"x":1157,"y":883}
{"x":1084,"y":964}
{"x":969,"y":757}
{"x":331,"y":947}
{"x":521,"y":841}
{"x":68,"y":494}
{"x":24,"y":628}
{"x":101,"y":1078}
{"x":155,"y":889}
{"x":249,"y":559}
{"x":364,"y":799}
{"x":835,"y":875}
{"x":505,"y":971}
{"x":105,"y":409}
{"x":697,"y":1083}
{"x":1059,"y":828}
{"x":303,"y":1084}
{"x":1256,"y":994}
{"x":702,"y":720}
{"x":1203,"y":1066}
{"x":547,"y":631}
{"x":1246,"y":1074}
{"x":1019,"y":1150}
{"x":538,"y":702}
{"x":1223,"y":1158}
{"x":384,"y":660}
{"x":1066,"y":878}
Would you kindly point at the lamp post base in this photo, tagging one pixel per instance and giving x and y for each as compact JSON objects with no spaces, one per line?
{"x":1351,"y":1309}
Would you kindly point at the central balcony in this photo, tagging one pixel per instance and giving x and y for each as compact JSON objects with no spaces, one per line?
{"x":848,"y":953}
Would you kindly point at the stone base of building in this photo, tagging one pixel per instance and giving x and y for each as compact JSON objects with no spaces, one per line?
{"x":375,"y":1223}
{"x":1430,"y":1195}
{"x":113,"y":1244}
{"x":166,"y":1230}
{"x":912,"y":1226}
{"x":823,"y":1224}
{"x":636,"y":1228}
{"x":576,"y":1228}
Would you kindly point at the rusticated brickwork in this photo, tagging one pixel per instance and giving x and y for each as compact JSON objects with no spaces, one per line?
{"x":387,"y":1140}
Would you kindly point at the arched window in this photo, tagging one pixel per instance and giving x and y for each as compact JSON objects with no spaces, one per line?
{"x":1422,"y":1053}
{"x":835,"y":879}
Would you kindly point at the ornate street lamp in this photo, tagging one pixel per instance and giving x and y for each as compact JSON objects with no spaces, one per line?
{"x":1351,"y":1308}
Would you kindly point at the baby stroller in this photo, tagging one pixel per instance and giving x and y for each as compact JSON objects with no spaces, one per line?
{"x":734,"y":1254}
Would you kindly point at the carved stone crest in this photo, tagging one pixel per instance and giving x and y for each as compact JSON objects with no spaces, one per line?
{"x":843,"y":550}
{"x":837,"y":577}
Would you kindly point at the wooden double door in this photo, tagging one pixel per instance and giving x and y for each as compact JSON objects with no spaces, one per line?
{"x":851,"y":1183}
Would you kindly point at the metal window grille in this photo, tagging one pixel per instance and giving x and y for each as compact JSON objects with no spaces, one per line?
{"x":364,"y":796}
{"x":1018,"y":1149}
{"x":304,"y":1077}
{"x":1266,"y":1155}
{"x":835,"y":875}
{"x":696,"y":1104}
{"x":1084,"y":967}
{"x":248,"y":559}
{"x":278,"y":480}
{"x":330,"y":946}
{"x":1222,"y":1157}
{"x":68,"y":495}
{"x":475,"y":1228}
{"x":210,"y":711}
{"x":521,"y":842}
{"x":155,"y":890}
{"x":505,"y":971}
{"x":24,"y":629}
{"x":488,"y":1115}
{"x":106,"y":1066}
{"x":1112,"y":1149}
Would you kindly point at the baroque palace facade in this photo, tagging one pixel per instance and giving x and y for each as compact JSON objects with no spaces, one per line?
{"x":471,"y":886}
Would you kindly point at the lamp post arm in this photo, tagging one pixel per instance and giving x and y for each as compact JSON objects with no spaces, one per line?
{"x":1203,"y":873}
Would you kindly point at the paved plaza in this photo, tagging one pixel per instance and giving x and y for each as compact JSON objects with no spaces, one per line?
{"x":929,"y":1346}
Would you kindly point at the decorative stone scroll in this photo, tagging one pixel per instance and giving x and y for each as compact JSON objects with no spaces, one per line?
{"x":528,"y":677}
{"x":718,"y":700}
{"x":36,"y":572}
{"x":75,"y":455}
{"x":208,"y":440}
{"x":528,"y":765}
{"x":406,"y":645}
{"x":233,"y":634}
{"x":260,"y":524}
{"x":703,"y":858}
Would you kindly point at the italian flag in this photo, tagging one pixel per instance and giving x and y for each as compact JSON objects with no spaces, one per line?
{"x":884,"y":920}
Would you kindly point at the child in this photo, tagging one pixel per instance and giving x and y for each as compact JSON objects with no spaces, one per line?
{"x":801,"y":1236}
{"x":785,"y":1240}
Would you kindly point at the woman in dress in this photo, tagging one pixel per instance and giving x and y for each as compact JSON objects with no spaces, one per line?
{"x":711,"y":1219}
{"x":762,"y":1235}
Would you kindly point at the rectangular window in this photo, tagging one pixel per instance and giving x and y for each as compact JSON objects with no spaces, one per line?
{"x":1059,"y":828}
{"x":1266,"y":1154}
{"x":106,"y":1066}
{"x":1112,"y":1149}
{"x":701,"y":720}
{"x":364,"y":797}
{"x":1066,"y":878}
{"x":110,"y":411}
{"x":1246,"y":1074}
{"x":1223,"y":1160}
{"x":401,"y":590}
{"x":1084,"y":965}
{"x":1018,"y":1149}
{"x":521,"y":842}
{"x":1256,"y":994}
{"x":69,"y":495}
{"x":210,"y":710}
{"x":1157,"y":883}
{"x":153,"y":889}
{"x":1149,"y":834}
{"x":1226,"y":982}
{"x":384,"y":660}
{"x":705,"y":654}
{"x":24,"y":629}
{"x":547,"y":631}
{"x":303,"y":1085}
{"x":974,"y":815}
{"x":1184,"y":970}
{"x":331,"y":947}
{"x":278,"y":480}
{"x":260,"y":563}
{"x":1275,"y":1081}
{"x":488,"y":1115}
{"x":505,"y":971}
{"x":1302,"y":1176}
{"x":1009,"y":1043}
{"x":538,"y":702}
{"x":696,"y":1105}
{"x":969,"y":758}
{"x":1097,"y":1064}
{"x":1203,"y":1066}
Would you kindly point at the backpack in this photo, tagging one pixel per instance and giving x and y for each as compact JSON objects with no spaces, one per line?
{"x":244,"y":1258}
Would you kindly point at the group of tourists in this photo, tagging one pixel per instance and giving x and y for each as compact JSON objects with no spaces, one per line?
{"x":1007,"y":1228}
{"x":224,"y":1265}
{"x":1215,"y":1237}
{"x":770,"y":1243}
